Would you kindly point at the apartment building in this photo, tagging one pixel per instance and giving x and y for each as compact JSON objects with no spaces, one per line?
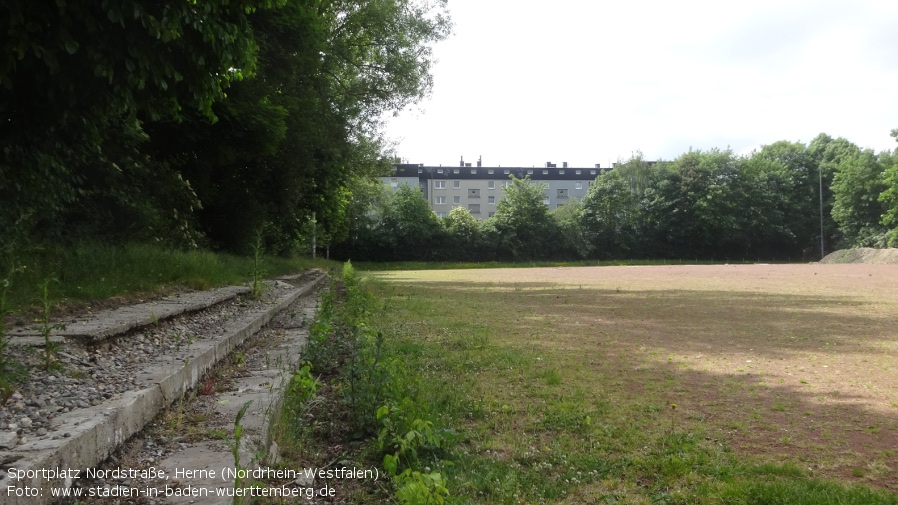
{"x":479,"y":189}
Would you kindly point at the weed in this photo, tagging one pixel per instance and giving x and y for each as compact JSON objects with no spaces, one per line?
{"x":233,"y":444}
{"x":552,"y":377}
{"x":76,"y":373}
{"x":257,"y":273}
{"x":174,"y":417}
{"x":303,"y":386}
{"x":46,"y":328}
{"x":378,"y":390}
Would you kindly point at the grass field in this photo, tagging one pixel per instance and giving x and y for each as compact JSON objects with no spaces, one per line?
{"x":659,"y":384}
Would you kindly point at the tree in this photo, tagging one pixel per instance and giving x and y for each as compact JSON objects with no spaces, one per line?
{"x":773,"y":207}
{"x":798,"y":172}
{"x":72,"y":74}
{"x":827,"y":153}
{"x":464,"y":237}
{"x":522,"y":220}
{"x":693,"y":206}
{"x":378,"y":55}
{"x":857,"y":185}
{"x":306,"y":82}
{"x":889,"y":197}
{"x":294,"y":140}
{"x":415,"y":230}
{"x":569,"y":221}
{"x":611,"y":215}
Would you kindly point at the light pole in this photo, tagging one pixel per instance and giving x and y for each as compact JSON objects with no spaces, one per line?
{"x":820,"y":172}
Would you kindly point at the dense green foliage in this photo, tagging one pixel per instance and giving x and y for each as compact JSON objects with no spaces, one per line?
{"x":703,"y":205}
{"x":201,"y":123}
{"x":378,"y":396}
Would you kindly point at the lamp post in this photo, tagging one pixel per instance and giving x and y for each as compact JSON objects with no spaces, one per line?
{"x":820,"y":173}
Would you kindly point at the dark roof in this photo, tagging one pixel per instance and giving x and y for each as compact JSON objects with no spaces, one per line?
{"x":536,"y":173}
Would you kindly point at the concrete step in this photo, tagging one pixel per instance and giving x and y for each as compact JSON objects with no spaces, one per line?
{"x":98,"y":326}
{"x":83,"y":438}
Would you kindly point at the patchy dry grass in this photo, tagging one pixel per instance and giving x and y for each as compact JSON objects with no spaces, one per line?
{"x":569,"y":377}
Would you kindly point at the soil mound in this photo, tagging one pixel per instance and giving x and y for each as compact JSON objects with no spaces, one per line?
{"x":864,"y":255}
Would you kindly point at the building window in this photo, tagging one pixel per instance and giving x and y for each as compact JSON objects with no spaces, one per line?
{"x":394,"y":182}
{"x":441,"y":215}
{"x":456,"y":184}
{"x":529,"y":172}
{"x":507,"y":172}
{"x":578,"y":172}
{"x":420,"y":170}
{"x":473,"y":171}
{"x":473,"y":193}
{"x":505,"y":184}
{"x":492,"y":214}
{"x":491,"y":185}
{"x":578,"y":185}
{"x":439,"y":170}
{"x":474,"y":208}
{"x":561,"y":172}
{"x":562,"y":193}
{"x":439,"y":184}
{"x":593,"y":172}
{"x":455,"y":171}
{"x":440,"y":200}
{"x":456,"y":199}
{"x":491,"y":200}
{"x":545,"y":172}
{"x":490,"y":171}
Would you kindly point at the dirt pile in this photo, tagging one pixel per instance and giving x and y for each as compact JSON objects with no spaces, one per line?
{"x":865,"y":255}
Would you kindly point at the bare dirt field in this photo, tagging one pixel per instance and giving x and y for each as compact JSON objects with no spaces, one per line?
{"x":790,"y":362}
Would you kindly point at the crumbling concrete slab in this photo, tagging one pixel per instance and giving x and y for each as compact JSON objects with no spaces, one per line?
{"x":211,"y":462}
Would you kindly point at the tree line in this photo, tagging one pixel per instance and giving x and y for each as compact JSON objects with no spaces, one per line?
{"x":704,"y":205}
{"x":222,"y":123}
{"x":205,"y":123}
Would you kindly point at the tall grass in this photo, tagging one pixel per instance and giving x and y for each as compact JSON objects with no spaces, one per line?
{"x":92,"y":272}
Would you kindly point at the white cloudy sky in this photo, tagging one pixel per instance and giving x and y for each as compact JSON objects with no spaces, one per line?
{"x":522,"y":82}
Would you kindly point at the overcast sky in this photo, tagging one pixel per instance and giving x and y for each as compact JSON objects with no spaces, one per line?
{"x":523,"y":82}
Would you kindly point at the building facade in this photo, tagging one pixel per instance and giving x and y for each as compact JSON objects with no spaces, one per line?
{"x":479,"y":188}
